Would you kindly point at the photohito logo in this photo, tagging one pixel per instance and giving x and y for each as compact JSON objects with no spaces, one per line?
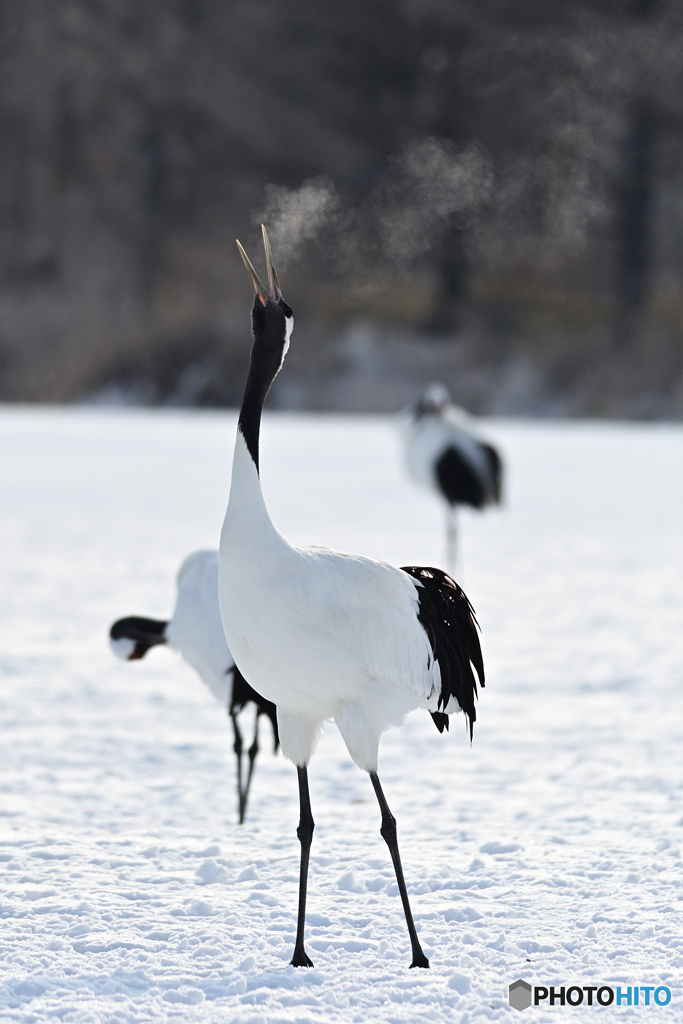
{"x":520,"y":994}
{"x":523,"y":995}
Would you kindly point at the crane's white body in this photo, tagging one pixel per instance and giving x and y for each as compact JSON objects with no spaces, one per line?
{"x":322,"y":634}
{"x":425,"y":438}
{"x":196,"y":630}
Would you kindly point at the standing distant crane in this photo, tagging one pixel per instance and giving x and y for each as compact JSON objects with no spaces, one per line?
{"x":196,"y":632}
{"x":326,"y":635}
{"x":443,"y":453}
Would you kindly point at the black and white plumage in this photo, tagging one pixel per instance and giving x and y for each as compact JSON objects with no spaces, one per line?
{"x":444,"y":454}
{"x":326,"y":635}
{"x":196,"y":632}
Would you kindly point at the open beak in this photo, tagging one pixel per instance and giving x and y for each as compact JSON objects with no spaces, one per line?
{"x":274,"y":291}
{"x":273,"y":283}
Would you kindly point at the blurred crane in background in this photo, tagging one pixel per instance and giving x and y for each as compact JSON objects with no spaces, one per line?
{"x":196,"y":632}
{"x":443,"y":453}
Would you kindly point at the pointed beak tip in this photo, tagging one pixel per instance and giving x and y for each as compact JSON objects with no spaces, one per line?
{"x":255,"y":279}
{"x":274,"y":291}
{"x":273,"y":282}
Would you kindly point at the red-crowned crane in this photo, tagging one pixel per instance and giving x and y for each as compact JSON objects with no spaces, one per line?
{"x":196,"y":632}
{"x":444,"y":454}
{"x":326,"y":635}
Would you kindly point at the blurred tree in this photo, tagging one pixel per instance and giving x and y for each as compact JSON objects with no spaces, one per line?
{"x":635,"y":193}
{"x":137,"y":138}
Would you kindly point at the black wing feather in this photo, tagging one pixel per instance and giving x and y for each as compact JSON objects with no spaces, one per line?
{"x":496,"y":469}
{"x":243,"y":693}
{"x":449,"y":622}
{"x":458,"y":480}
{"x":461,"y":483}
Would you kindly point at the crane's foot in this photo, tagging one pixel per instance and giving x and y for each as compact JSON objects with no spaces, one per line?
{"x":420,"y":960}
{"x":302,"y":959}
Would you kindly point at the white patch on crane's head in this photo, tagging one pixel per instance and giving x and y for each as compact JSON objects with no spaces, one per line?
{"x":123,"y":647}
{"x":289,"y":327}
{"x":272,"y":327}
{"x":434,"y":400}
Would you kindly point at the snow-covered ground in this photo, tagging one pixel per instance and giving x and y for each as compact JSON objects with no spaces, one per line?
{"x":548,"y":850}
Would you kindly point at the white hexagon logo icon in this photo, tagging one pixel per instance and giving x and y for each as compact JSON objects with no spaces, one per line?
{"x":520,"y":994}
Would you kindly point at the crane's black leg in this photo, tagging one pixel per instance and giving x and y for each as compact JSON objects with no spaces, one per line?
{"x":388,"y":833}
{"x":305,"y":834}
{"x":253,"y":751}
{"x":238,"y":751}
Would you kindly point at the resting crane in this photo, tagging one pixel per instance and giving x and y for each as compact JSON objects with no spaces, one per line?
{"x":444,"y":454}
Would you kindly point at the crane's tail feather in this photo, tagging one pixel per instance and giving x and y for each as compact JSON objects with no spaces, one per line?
{"x":243,"y":693}
{"x":496,"y":469}
{"x":441,"y":721}
{"x":448,"y":619}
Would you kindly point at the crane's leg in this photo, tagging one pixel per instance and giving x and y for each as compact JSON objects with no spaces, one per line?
{"x":238,"y":751}
{"x":305,"y":834}
{"x":451,"y":539}
{"x":388,"y":833}
{"x":253,"y":751}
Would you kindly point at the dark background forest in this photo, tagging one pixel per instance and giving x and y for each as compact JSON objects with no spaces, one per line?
{"x":485,"y":192}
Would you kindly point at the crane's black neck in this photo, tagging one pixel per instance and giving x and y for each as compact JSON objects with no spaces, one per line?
{"x":271,"y":326}
{"x":250,"y":414}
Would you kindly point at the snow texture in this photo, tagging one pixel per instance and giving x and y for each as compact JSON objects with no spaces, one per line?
{"x":548,"y":850}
